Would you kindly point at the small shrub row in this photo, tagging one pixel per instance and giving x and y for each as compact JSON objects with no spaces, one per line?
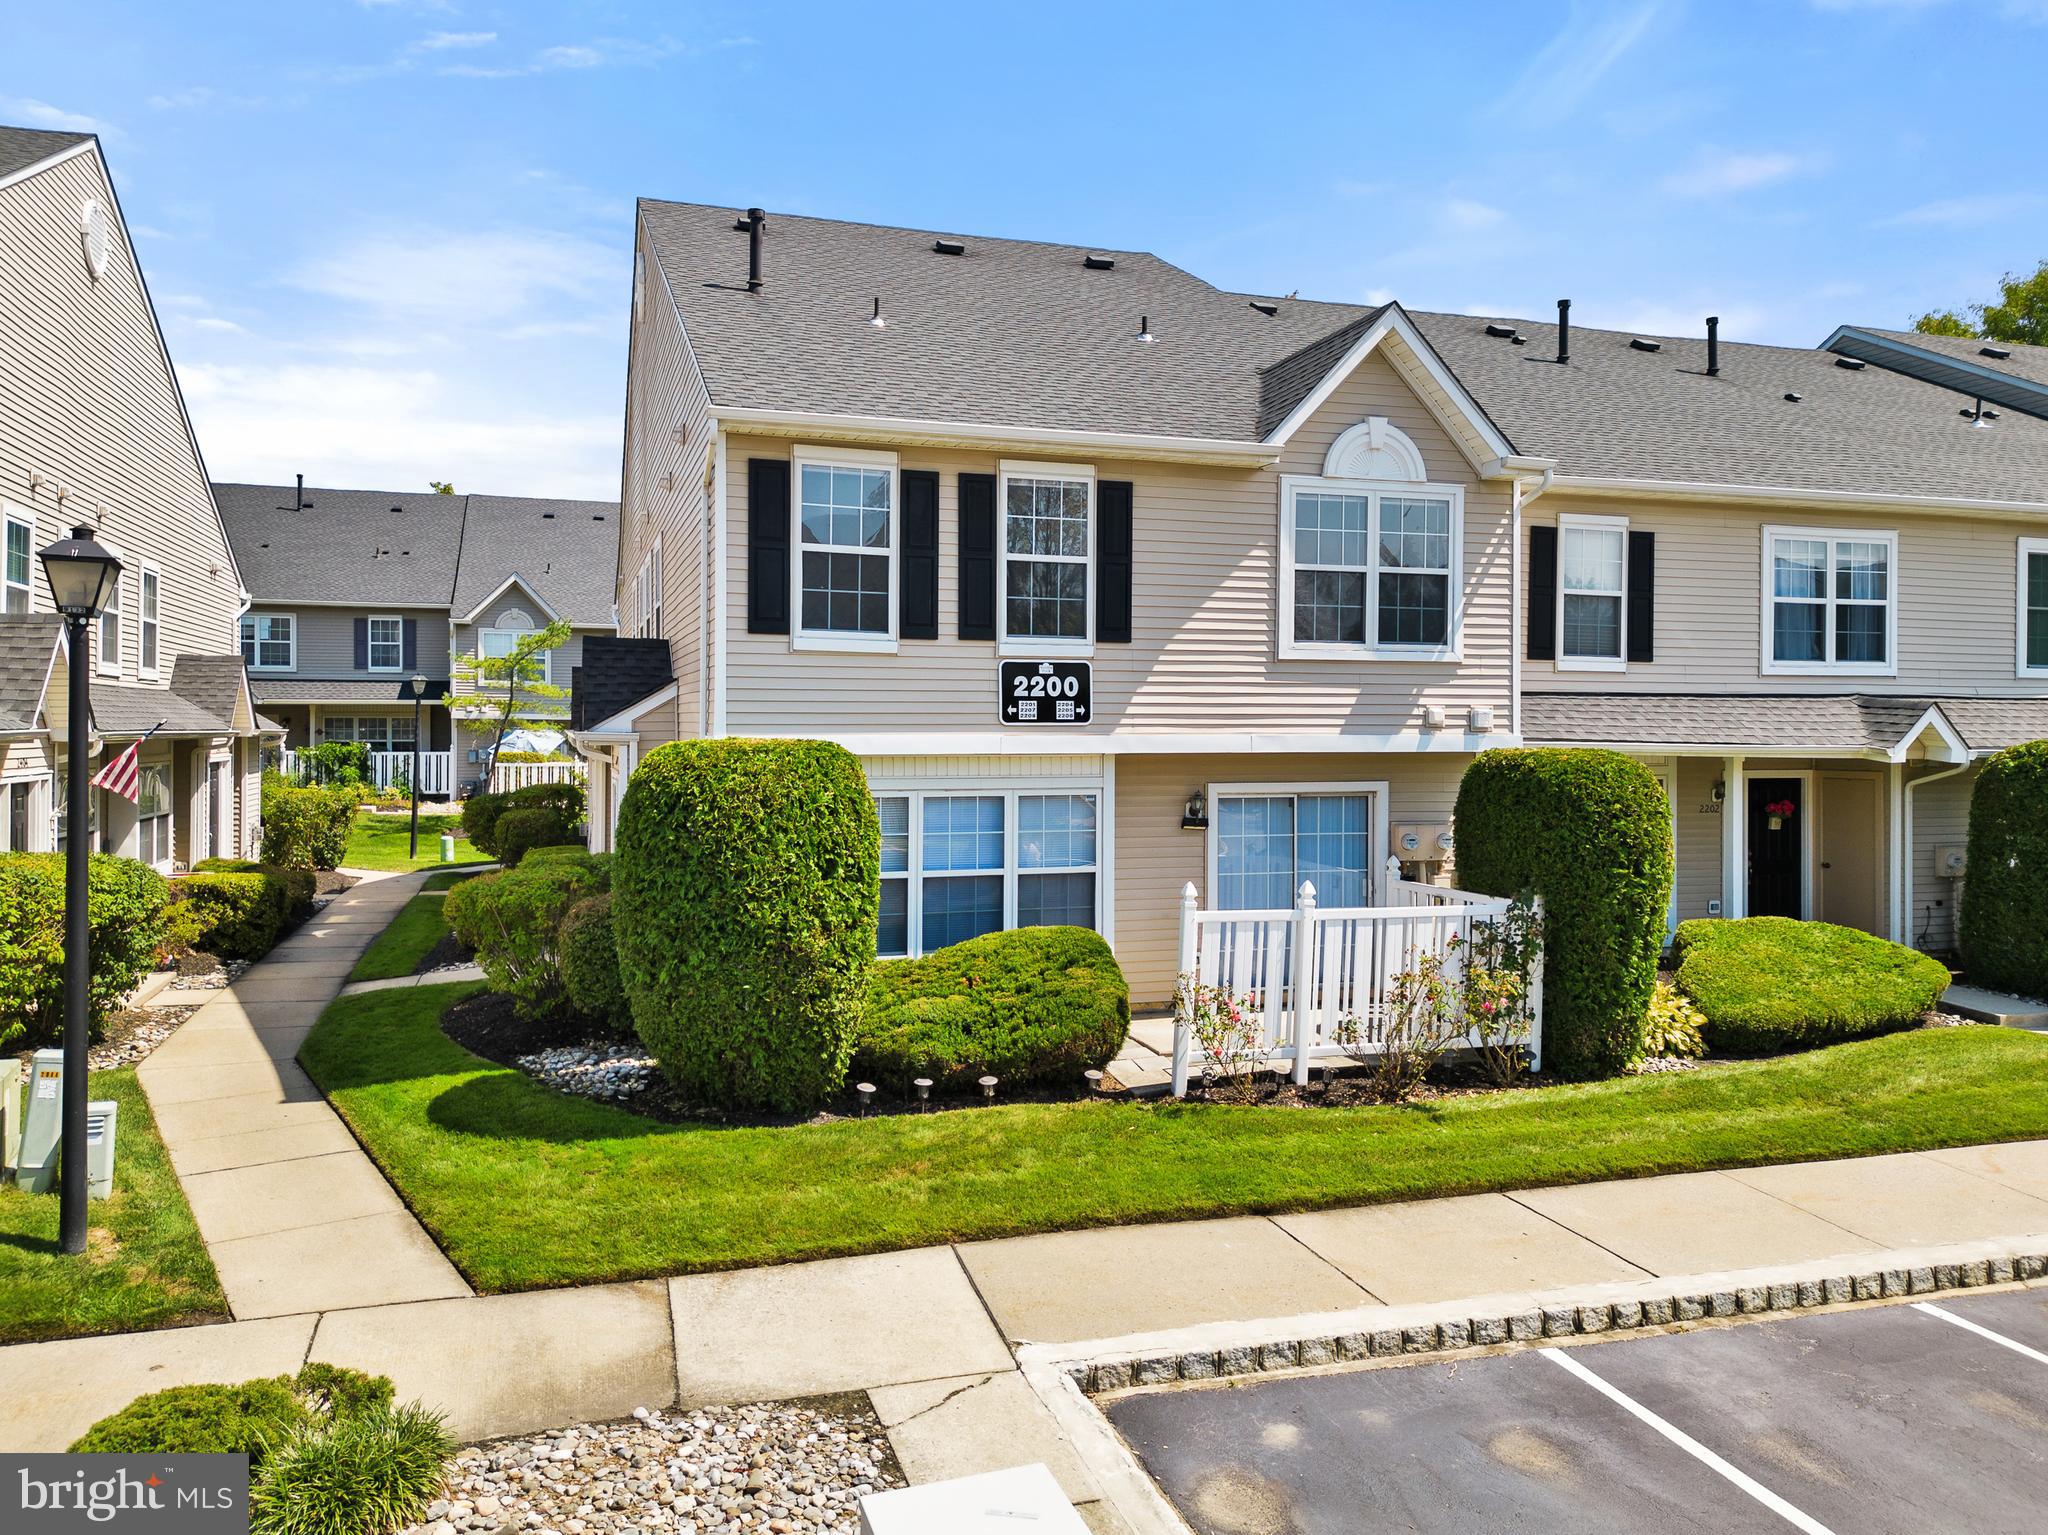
{"x":239,"y":909}
{"x":126,"y":902}
{"x":481,"y":813}
{"x":520,"y":831}
{"x":305,"y":828}
{"x":513,"y":920}
{"x":1768,"y":984}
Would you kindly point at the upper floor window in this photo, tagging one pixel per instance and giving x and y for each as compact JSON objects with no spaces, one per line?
{"x":498,"y":643}
{"x":1367,"y":568}
{"x":17,"y":570}
{"x":2033,"y":615}
{"x":1830,"y":601}
{"x":109,"y":658}
{"x":269,"y":642}
{"x":150,"y":619}
{"x":1592,"y":592}
{"x":846,"y":533}
{"x":387,"y":644}
{"x":1047,"y":551}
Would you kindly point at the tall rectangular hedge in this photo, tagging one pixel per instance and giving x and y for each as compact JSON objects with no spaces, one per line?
{"x":1590,"y":832}
{"x":2004,"y":919}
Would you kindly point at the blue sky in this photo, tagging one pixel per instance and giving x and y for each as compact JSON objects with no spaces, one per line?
{"x":390,"y":239}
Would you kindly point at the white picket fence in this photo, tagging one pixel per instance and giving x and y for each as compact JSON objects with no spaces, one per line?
{"x":387,"y":768}
{"x":517,"y":775}
{"x":1358,"y":952}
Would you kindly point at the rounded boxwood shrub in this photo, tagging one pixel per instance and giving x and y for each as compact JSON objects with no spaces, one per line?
{"x":1590,"y":832}
{"x":1768,"y":984}
{"x":306,"y":828}
{"x":126,"y":905}
{"x":480,"y":814}
{"x":518,"y":829}
{"x":513,"y":921}
{"x":239,"y":915}
{"x":590,"y":961}
{"x":2003,"y":926}
{"x":745,"y":890}
{"x":1038,"y":1004}
{"x":249,"y":1418}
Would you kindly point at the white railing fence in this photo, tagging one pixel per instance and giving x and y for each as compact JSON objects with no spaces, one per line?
{"x":388,"y":768}
{"x":517,"y":775}
{"x":1358,"y":953}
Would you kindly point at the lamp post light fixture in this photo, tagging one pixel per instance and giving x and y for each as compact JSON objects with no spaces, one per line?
{"x":82,"y":576}
{"x":418,"y":684}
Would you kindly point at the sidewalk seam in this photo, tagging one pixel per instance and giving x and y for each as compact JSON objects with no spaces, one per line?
{"x":1647,"y":1273}
{"x":1320,"y":1258}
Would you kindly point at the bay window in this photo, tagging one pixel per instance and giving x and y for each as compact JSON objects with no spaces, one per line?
{"x":846,"y":535}
{"x":2033,"y":614}
{"x":1269,"y":840}
{"x":959,"y":864}
{"x":1591,"y":591}
{"x":269,"y":642}
{"x":1830,"y":601}
{"x":1047,"y":549}
{"x":1367,"y":568}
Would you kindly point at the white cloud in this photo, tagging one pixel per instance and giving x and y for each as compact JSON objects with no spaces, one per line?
{"x":1594,"y":38}
{"x":27,"y":112}
{"x":1466,"y":216}
{"x":2030,"y":12}
{"x":1656,"y":317}
{"x":194,"y":98}
{"x":486,"y":278}
{"x":214,"y":322}
{"x":1722,"y":172}
{"x":1957,"y":212}
{"x":440,"y":42}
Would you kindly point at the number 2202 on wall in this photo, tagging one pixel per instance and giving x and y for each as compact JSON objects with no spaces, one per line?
{"x":1045,"y":692}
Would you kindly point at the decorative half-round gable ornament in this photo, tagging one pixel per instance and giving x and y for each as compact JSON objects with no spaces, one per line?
{"x":96,"y":235}
{"x":1375,"y":449}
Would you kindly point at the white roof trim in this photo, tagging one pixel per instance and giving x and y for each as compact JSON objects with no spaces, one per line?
{"x":1395,"y":322}
{"x":1961,"y":364}
{"x":515,"y":579}
{"x":1023,"y":743}
{"x":789,"y":423}
{"x":39,"y":166}
{"x":1955,"y":748}
{"x":612,"y":726}
{"x":1596,"y":485}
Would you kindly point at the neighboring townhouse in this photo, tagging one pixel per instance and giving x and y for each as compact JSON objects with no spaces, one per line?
{"x":1993,"y":373}
{"x":358,"y":591}
{"x":93,"y":431}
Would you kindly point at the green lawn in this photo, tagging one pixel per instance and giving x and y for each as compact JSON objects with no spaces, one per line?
{"x":144,"y":1265}
{"x":384,"y":842}
{"x":526,"y":1187}
{"x":413,"y":933}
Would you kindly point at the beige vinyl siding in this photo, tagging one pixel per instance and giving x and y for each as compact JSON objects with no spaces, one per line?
{"x":327,"y":642}
{"x":1205,"y":653}
{"x":87,"y":403}
{"x":1155,"y":857}
{"x":1941,"y":816}
{"x":1698,"y":824}
{"x":562,"y":660}
{"x":1957,"y":594}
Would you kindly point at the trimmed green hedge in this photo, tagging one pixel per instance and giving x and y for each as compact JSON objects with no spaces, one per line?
{"x":746,"y":886}
{"x":1590,"y":832}
{"x":1774,"y":983}
{"x":126,"y":903}
{"x":520,"y":830}
{"x":513,"y":920}
{"x":306,"y":828}
{"x":1036,"y":1004}
{"x":590,"y":962}
{"x":2004,"y":920}
{"x":238,"y":908}
{"x":481,"y":813}
{"x":250,"y":1418}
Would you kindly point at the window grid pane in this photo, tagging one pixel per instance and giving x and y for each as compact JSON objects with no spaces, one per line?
{"x":1332,"y":846}
{"x":1329,"y":606}
{"x":14,"y":572}
{"x":1255,"y":853}
{"x":963,"y":832}
{"x":1045,"y":541}
{"x":1592,"y":627}
{"x":843,"y":520}
{"x":2037,"y":610}
{"x":1056,"y":900}
{"x":892,"y":926}
{"x":956,"y":909}
{"x":1056,"y":831}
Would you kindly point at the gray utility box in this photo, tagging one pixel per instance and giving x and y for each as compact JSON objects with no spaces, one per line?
{"x":100,"y":1121}
{"x":40,"y":1127}
{"x":10,"y":1117}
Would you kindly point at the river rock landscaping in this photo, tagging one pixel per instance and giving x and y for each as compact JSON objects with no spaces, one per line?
{"x":789,"y":1468}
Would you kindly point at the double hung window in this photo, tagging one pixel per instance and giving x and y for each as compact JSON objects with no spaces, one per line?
{"x":1592,"y":590}
{"x":1048,"y":550}
{"x":387,"y":644}
{"x":150,"y":619}
{"x":269,"y":642}
{"x":1830,"y":601}
{"x":153,"y":810}
{"x":1366,"y":569}
{"x":2033,"y":615}
{"x":108,"y":659}
{"x":17,"y":569}
{"x":846,"y":538}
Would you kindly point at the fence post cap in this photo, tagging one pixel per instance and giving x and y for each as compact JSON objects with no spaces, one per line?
{"x":1307,"y":894}
{"x":1189,"y":893}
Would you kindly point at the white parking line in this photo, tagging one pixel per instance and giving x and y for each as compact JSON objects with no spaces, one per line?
{"x":1706,"y":1457}
{"x":1983,"y":1332}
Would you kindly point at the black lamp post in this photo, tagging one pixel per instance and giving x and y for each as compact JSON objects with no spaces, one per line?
{"x":81,"y":575}
{"x":419,"y":690}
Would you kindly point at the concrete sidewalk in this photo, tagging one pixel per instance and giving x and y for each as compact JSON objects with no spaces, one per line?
{"x":297,"y":1218}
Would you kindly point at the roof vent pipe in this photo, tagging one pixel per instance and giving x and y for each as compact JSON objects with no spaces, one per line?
{"x":1564,"y":330}
{"x":1713,"y":346}
{"x":755,"y":220}
{"x":299,"y":495}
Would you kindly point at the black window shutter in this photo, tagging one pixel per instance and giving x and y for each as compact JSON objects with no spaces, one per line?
{"x":1642,"y":596}
{"x":362,"y":644}
{"x":1113,"y":562}
{"x":918,"y":618}
{"x":1542,"y":594}
{"x":767,"y":546}
{"x":411,"y":628}
{"x":977,"y":556}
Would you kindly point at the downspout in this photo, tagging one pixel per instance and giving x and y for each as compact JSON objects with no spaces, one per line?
{"x":723,"y":643}
{"x":1516,"y":641}
{"x":1906,"y":842}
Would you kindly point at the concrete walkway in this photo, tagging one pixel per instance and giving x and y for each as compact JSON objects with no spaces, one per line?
{"x":1996,"y":1007}
{"x":297,"y":1218}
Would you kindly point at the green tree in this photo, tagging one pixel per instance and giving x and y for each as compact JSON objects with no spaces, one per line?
{"x":2020,"y":313}
{"x":513,"y":687}
{"x":441,"y":487}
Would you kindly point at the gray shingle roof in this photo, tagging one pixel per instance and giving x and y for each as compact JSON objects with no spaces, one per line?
{"x":214,"y":683}
{"x":560,"y":549}
{"x":346,"y":545}
{"x":120,"y":711}
{"x":617,"y":672}
{"x":23,"y":147}
{"x":301,"y":690}
{"x":1850,"y":722}
{"x":2027,"y":362}
{"x":2017,"y":381}
{"x":27,"y":642}
{"x":1012,"y":333}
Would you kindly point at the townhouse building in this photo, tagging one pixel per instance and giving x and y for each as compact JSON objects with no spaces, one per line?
{"x":94,"y":432}
{"x":1119,"y":583}
{"x":356,"y":592}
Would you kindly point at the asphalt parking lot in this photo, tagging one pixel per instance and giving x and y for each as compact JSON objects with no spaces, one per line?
{"x":1886,"y":1418}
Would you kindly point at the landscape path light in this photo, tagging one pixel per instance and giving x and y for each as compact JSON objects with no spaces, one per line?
{"x":988,"y":1089}
{"x":924,"y":1092}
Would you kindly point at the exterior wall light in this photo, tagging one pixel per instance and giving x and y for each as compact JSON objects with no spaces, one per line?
{"x":1196,"y":816}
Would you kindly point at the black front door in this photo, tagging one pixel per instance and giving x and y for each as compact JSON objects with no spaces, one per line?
{"x":1777,"y":812}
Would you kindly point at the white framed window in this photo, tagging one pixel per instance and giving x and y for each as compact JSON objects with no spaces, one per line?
{"x":270,"y":642}
{"x":24,"y":822}
{"x":1046,"y":558}
{"x":107,"y":658}
{"x":496,"y":644}
{"x":153,"y":815}
{"x":1830,"y":600}
{"x":1370,"y":569}
{"x":17,"y":561}
{"x":386,"y":651}
{"x":1265,"y":839}
{"x":338,"y":727}
{"x":962,"y":862}
{"x":2032,"y":660}
{"x":149,"y":619}
{"x":845,"y":573}
{"x":1592,"y":593}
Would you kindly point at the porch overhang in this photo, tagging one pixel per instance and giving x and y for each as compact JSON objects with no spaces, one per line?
{"x":1872,"y":727}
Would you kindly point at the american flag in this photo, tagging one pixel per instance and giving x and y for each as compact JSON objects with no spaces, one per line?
{"x":123,"y":776}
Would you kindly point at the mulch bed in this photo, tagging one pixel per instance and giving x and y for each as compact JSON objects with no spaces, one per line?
{"x":449,"y":951}
{"x":331,"y":881}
